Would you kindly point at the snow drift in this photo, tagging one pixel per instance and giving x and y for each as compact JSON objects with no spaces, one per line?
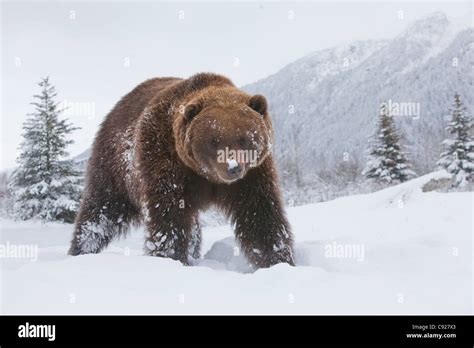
{"x":399,"y":250}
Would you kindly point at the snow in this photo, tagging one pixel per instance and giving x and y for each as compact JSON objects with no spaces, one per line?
{"x":231,"y":164}
{"x":440,"y":34}
{"x":398,"y":250}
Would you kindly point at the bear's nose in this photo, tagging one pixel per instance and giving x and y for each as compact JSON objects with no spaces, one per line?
{"x":235,"y":171}
{"x":233,"y":168}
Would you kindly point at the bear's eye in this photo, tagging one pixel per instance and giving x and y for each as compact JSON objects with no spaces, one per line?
{"x":215,"y":142}
{"x":242,"y":141}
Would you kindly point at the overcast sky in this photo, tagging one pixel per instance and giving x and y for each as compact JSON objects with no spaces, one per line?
{"x":96,"y":52}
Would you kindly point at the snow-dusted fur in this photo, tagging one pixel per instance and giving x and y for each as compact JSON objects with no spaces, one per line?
{"x":155,"y":160}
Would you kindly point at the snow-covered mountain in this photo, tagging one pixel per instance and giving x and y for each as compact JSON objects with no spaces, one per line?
{"x":81,"y":159}
{"x":324,"y":105}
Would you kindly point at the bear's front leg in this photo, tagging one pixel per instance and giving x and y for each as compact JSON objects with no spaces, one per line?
{"x":169,"y":222}
{"x":261,"y":227}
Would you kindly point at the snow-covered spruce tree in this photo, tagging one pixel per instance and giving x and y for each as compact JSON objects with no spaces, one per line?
{"x":458,"y":157}
{"x":386,"y":162}
{"x":45,"y":185}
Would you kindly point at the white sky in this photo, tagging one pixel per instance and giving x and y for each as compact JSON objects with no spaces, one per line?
{"x":85,"y":56}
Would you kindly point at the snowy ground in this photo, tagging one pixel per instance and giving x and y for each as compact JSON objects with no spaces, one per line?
{"x":398,"y":250}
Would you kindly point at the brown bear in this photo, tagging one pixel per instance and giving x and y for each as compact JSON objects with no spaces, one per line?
{"x":171,"y":148}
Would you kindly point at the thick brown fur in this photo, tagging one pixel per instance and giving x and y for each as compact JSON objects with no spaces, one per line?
{"x":154,"y":160}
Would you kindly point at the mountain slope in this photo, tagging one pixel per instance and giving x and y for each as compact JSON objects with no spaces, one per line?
{"x":335,"y":104}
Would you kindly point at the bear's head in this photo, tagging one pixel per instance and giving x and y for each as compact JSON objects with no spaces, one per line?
{"x":221,"y":133}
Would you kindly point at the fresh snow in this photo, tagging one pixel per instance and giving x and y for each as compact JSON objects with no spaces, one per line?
{"x":231,"y":164}
{"x":399,"y":250}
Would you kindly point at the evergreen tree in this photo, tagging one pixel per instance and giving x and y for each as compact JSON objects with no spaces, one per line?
{"x":458,"y":157}
{"x":386,"y":163}
{"x":45,"y":185}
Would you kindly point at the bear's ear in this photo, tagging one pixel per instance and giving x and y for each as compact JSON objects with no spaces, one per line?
{"x":259,"y":104}
{"x":192,"y":110}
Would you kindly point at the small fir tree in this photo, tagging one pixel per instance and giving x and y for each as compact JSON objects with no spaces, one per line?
{"x":458,"y":157}
{"x":386,"y":162}
{"x":45,"y":185}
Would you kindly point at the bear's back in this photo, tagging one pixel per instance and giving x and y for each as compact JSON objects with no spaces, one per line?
{"x":116,"y":131}
{"x":129,"y":108}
